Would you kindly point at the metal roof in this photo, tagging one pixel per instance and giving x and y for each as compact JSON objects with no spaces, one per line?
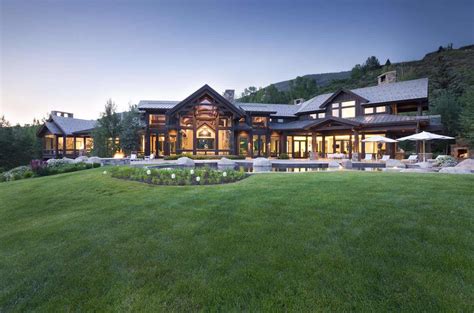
{"x":284,"y":110}
{"x":69,"y":125}
{"x":157,"y":104}
{"x":391,"y":92}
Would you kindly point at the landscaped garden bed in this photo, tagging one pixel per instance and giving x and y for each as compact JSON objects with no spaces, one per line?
{"x":177,"y":177}
{"x":39,"y":168}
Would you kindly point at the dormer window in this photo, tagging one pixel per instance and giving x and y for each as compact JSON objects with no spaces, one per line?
{"x":344,"y":109}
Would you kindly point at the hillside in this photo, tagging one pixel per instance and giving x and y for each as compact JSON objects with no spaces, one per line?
{"x":322,"y":80}
{"x":459,"y":62}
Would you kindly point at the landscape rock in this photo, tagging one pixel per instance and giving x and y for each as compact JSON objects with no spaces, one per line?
{"x":185,"y":161}
{"x":333,"y":164}
{"x":262,"y":162}
{"x":94,"y":159}
{"x":346,"y":164}
{"x":468,"y":163}
{"x":59,"y":161}
{"x":226,"y":163}
{"x":81,"y":159}
{"x":394,"y":163}
{"x":455,"y":170}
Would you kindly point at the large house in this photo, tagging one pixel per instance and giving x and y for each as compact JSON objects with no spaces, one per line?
{"x":209,"y":123}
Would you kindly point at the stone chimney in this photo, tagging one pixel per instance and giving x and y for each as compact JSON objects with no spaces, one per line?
{"x":387,"y":78}
{"x":298,"y":101}
{"x":229,"y":95}
{"x":63,"y":114}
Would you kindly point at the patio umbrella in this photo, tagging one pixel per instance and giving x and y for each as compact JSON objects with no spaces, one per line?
{"x":424,"y":136}
{"x":379,"y":139}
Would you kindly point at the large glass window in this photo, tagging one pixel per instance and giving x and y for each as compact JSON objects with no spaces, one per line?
{"x":224,"y":140}
{"x":243,"y":144}
{"x":187,"y":138}
{"x":205,"y":138}
{"x":348,"y":112}
{"x":344,"y":109}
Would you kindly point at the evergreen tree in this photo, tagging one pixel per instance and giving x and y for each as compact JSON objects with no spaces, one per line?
{"x":107,"y":131}
{"x":388,"y":63}
{"x":303,"y":87}
{"x":372,"y":63}
{"x":130,"y":127}
{"x":445,"y":79}
{"x":448,"y":106}
{"x":467,"y":116}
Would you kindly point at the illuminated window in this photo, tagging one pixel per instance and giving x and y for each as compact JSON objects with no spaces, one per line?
{"x":348,"y":104}
{"x":313,"y":116}
{"x":348,"y":112}
{"x":380,"y":109}
{"x":368,"y":110}
{"x":259,"y":121}
{"x":344,"y":109}
{"x":157,"y":120}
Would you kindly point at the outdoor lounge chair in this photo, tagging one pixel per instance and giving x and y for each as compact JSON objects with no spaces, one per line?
{"x":368,"y":157}
{"x":133,"y":157}
{"x":412,"y":159}
{"x":385,"y":157}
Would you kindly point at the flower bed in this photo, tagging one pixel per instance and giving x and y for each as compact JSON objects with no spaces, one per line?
{"x":39,"y":168}
{"x":177,"y":177}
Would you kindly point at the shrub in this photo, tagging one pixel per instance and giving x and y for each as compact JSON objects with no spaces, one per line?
{"x":17,"y":173}
{"x":283,"y":156}
{"x":178,"y":177}
{"x":445,"y":161}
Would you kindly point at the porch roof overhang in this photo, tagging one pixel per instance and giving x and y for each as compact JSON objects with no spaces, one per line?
{"x":332,"y":119}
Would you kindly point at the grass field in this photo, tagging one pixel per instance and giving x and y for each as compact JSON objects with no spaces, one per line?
{"x":341,"y":241}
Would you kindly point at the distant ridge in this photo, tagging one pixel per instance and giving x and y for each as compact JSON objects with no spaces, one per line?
{"x":322,"y":79}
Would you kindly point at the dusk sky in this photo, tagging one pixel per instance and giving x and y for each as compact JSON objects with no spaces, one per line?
{"x":74,"y":55}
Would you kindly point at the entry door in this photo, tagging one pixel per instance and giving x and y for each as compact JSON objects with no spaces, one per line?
{"x":299,"y":150}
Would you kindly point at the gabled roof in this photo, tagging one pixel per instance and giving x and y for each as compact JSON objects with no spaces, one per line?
{"x":69,"y":125}
{"x":391,"y":92}
{"x":399,"y":91}
{"x":207,"y":89}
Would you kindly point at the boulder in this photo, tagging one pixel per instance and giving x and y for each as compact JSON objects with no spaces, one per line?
{"x":333,"y":164}
{"x":262,"y":162}
{"x":455,"y":170}
{"x":94,"y":159}
{"x":52,"y":162}
{"x":468,"y":163}
{"x":346,"y":164}
{"x":185,"y":161}
{"x":81,"y":159}
{"x":226,"y":163}
{"x":394,"y":163}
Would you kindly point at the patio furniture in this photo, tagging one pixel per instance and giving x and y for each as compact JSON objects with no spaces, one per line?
{"x":424,"y":136}
{"x":133,"y":157}
{"x":368,"y":157}
{"x":411,"y":159}
{"x":385,"y":157}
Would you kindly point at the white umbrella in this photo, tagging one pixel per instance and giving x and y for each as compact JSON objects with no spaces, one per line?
{"x":424,"y":136}
{"x":379,"y":139}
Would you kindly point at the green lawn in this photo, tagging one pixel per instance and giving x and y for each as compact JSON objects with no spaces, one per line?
{"x":341,"y":241}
